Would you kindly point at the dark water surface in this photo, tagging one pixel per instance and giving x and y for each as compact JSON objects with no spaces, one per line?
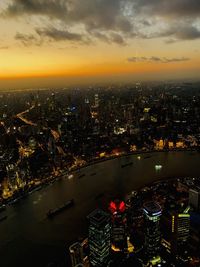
{"x":28,"y":238}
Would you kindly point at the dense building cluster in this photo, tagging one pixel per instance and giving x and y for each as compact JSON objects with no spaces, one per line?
{"x":46,"y":133}
{"x":158,"y":225}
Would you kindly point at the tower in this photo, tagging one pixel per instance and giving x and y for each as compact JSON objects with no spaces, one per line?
{"x":12,"y":173}
{"x":76,"y":254}
{"x":194,"y":198}
{"x":180,"y":232}
{"x":96,"y":100}
{"x":119,"y":234}
{"x":99,"y":237}
{"x":152,"y":213}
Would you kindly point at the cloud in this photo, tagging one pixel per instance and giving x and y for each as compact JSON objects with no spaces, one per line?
{"x":52,"y":8}
{"x":179,"y":32}
{"x":175,"y":8}
{"x":102,"y":19}
{"x":117,"y":38}
{"x":101,"y":36}
{"x":93,"y":14}
{"x":110,"y":21}
{"x":186,"y":32}
{"x":157,"y":59}
{"x":60,"y":35}
{"x":27,"y":39}
{"x":100,"y":14}
{"x":4,"y":47}
{"x":113,"y":37}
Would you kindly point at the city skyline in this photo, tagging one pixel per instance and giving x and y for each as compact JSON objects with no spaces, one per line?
{"x":127,"y":155}
{"x":54,"y":43}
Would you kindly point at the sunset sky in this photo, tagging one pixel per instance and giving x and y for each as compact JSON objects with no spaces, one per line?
{"x":45,"y":42}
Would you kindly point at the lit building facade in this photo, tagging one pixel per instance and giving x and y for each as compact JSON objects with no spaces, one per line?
{"x":119,"y":231}
{"x":99,"y":238}
{"x":152,"y":214}
{"x":180,"y":232}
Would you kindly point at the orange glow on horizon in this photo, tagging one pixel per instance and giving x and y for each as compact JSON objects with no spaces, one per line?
{"x":98,"y":69}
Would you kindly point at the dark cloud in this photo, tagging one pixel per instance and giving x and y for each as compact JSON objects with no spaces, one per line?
{"x":109,"y":38}
{"x":112,"y":21}
{"x":180,"y":18}
{"x":118,"y":39}
{"x":179,"y":32}
{"x":27,"y":39}
{"x":100,"y":14}
{"x":101,"y":36}
{"x":187,"y":32}
{"x":157,"y":59}
{"x":177,"y":8}
{"x":52,"y":8}
{"x":60,"y":35}
{"x":94,"y":16}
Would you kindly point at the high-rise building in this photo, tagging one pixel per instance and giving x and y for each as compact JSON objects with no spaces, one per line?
{"x":12,"y":173}
{"x":152,"y":213}
{"x":180,"y":232}
{"x":96,"y":100}
{"x":194,"y":198}
{"x":76,"y":254}
{"x":119,"y":231}
{"x":99,"y":239}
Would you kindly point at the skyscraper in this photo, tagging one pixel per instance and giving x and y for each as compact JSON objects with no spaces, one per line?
{"x":99,"y":237}
{"x":119,"y":234}
{"x":180,"y":232}
{"x":96,"y":100}
{"x":152,"y":213}
{"x":76,"y":254}
{"x":194,"y":198}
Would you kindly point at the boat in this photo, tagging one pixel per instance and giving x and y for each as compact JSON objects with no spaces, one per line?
{"x":3,"y":218}
{"x":147,"y":157}
{"x":81,"y":176}
{"x":13,"y":201}
{"x":126,"y":165}
{"x":53,"y":212}
{"x":70,"y":176}
{"x":158,"y":167}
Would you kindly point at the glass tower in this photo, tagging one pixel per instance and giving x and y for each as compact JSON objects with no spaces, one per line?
{"x":180,"y":232}
{"x":152,"y":213}
{"x":99,"y":237}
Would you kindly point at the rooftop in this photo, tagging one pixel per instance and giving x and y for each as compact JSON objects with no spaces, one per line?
{"x":152,"y":208}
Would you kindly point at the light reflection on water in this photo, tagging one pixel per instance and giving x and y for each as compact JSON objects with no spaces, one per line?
{"x":28,"y":234}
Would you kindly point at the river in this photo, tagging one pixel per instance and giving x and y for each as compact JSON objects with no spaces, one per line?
{"x":28,"y":238}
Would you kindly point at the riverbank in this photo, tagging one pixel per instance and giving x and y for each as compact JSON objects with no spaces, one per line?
{"x":51,"y":179}
{"x":138,"y":152}
{"x":28,"y":229}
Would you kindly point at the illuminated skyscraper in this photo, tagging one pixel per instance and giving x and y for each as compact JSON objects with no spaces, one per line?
{"x":99,"y":237}
{"x":152,"y":213}
{"x":13,"y":177}
{"x":180,"y":232}
{"x":119,"y":235}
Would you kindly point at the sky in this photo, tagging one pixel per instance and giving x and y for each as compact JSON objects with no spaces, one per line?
{"x":58,"y":42}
